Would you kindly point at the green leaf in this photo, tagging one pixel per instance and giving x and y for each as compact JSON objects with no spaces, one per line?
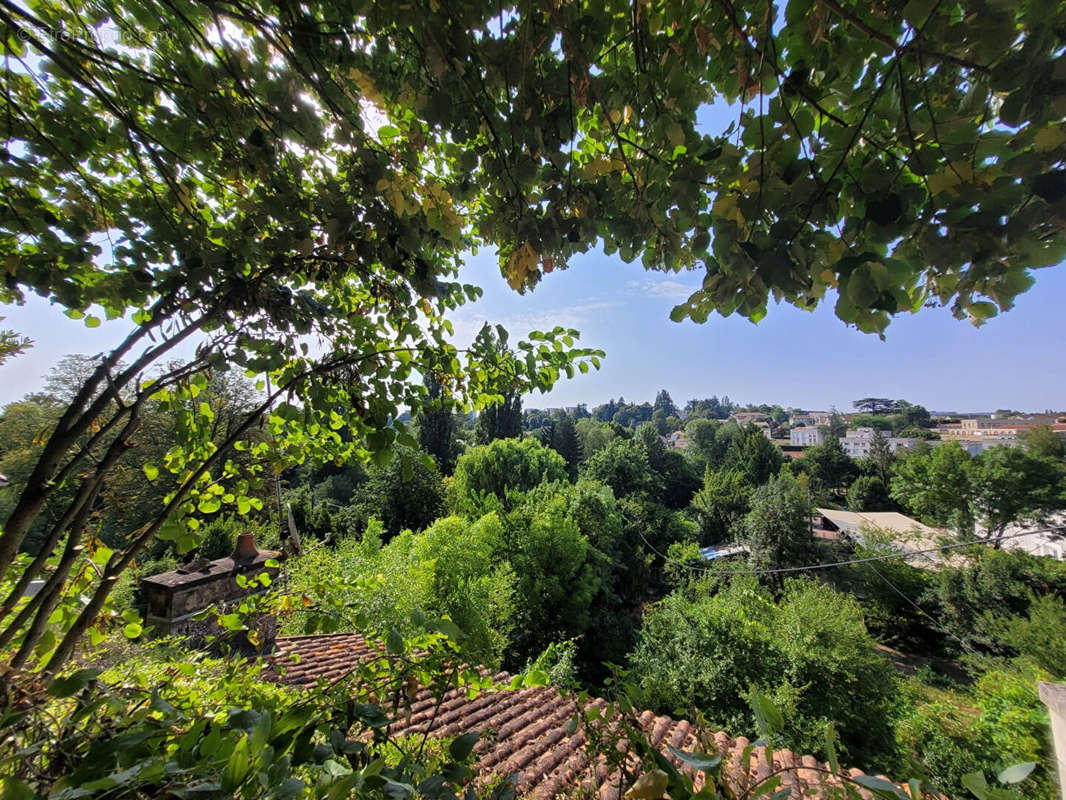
{"x":768,"y":719}
{"x":92,"y":322}
{"x":461,"y":746}
{"x":977,"y":784}
{"x":16,"y":789}
{"x":536,"y":677}
{"x":698,"y":761}
{"x":649,"y":786}
{"x":1017,"y":773}
{"x":151,"y":471}
{"x":879,"y":785}
{"x":449,"y":629}
{"x":394,"y":642}
{"x":237,"y":767}
{"x":208,"y":504}
{"x":132,"y":630}
{"x":69,"y":685}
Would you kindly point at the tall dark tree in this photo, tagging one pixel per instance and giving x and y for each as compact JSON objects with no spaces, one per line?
{"x":437,"y":428}
{"x":830,"y":469}
{"x":501,"y":420}
{"x":564,"y":441}
{"x":869,"y":493}
{"x":665,"y":403}
{"x":754,"y":455}
{"x":881,"y":456}
{"x":777,"y":528}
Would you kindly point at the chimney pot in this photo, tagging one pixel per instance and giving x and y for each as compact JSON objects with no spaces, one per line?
{"x":245,"y":550}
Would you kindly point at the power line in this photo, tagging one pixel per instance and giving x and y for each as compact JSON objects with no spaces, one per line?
{"x":936,"y":623}
{"x":849,"y":562}
{"x":986,"y":661}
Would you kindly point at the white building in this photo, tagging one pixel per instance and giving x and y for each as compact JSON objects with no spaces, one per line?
{"x":1045,"y":537}
{"x":975,"y":448}
{"x":858,"y":443}
{"x":806,"y":436}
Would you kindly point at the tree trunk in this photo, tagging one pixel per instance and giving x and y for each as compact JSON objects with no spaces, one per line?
{"x":77,"y":515}
{"x":74,"y":423}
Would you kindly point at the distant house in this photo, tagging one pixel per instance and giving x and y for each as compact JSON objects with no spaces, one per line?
{"x":977,"y":446}
{"x":1004,"y":429}
{"x":744,"y":417}
{"x":765,"y":428}
{"x":806,"y":436}
{"x":808,"y":418}
{"x":677,"y":440}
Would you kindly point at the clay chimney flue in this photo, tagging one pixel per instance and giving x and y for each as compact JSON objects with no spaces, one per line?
{"x":245,"y":551}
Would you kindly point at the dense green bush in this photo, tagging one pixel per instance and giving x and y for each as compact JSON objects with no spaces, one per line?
{"x":408,"y":492}
{"x":702,"y":652}
{"x":623,"y":465}
{"x":869,"y":493}
{"x":1040,"y":636}
{"x":942,"y":736}
{"x":1003,"y":582}
{"x":888,"y":589}
{"x":830,"y":471}
{"x":558,"y":570}
{"x":721,"y":504}
{"x":452,"y":569}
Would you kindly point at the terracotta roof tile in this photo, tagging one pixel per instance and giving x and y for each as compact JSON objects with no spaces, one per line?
{"x":529,"y":729}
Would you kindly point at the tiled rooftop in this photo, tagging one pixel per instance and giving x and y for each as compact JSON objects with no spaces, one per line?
{"x":525,"y":731}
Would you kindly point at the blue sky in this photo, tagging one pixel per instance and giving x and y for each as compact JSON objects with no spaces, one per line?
{"x":793,"y":357}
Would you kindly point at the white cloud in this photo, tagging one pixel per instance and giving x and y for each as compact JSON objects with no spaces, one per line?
{"x":518,"y":325}
{"x":674,"y":290}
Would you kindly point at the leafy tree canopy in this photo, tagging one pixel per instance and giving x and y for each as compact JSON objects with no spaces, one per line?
{"x":507,"y":466}
{"x":777,"y":528}
{"x":822,"y":142}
